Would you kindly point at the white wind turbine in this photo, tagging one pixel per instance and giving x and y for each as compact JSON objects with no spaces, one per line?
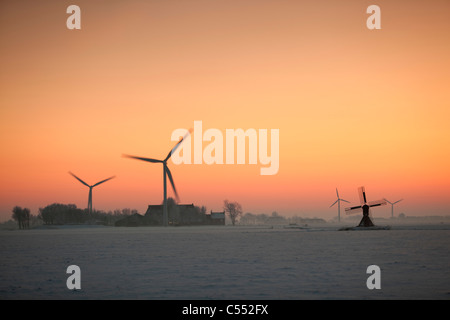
{"x":338,"y":201}
{"x":90,"y":189}
{"x":392,"y":206}
{"x":166,"y":173}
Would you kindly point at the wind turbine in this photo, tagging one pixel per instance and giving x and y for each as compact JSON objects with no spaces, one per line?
{"x":166,"y":173}
{"x":338,"y":201}
{"x":90,"y":189}
{"x":392,"y":206}
{"x":365,"y":221}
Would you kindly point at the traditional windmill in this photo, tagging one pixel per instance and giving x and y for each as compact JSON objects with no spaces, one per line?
{"x":364,"y":207}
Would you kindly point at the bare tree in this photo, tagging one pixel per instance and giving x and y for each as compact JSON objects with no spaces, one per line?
{"x":233,"y":209}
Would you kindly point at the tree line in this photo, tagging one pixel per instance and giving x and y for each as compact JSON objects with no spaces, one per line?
{"x":59,"y":214}
{"x":276,"y":219}
{"x":235,"y":213}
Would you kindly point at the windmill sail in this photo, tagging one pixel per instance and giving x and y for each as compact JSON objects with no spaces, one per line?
{"x":362,"y":195}
{"x":377,"y":203}
{"x":353,"y":210}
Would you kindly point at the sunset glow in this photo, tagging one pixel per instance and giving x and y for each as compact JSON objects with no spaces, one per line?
{"x":354,"y":107}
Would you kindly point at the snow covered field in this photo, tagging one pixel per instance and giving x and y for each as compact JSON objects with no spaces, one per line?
{"x":213,"y":262}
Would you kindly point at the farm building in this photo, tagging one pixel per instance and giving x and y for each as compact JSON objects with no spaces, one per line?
{"x":215,"y":218}
{"x":179,"y":215}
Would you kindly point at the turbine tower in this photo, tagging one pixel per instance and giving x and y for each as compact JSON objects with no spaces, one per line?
{"x":90,"y":189}
{"x":364,"y":207}
{"x":392,"y":206}
{"x":166,"y":173}
{"x":338,"y":201}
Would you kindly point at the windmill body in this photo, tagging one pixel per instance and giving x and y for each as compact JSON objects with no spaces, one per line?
{"x":90,"y":189}
{"x":365,"y":208}
{"x":338,"y":201}
{"x":166,"y":174}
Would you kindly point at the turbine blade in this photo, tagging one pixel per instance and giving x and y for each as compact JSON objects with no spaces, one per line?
{"x":79,"y":179}
{"x":344,"y":200}
{"x":334,"y":203}
{"x":397,"y":201}
{"x":103,"y":181}
{"x":169,"y":174}
{"x":177,"y":145}
{"x":388,"y":201}
{"x":143,"y":159}
{"x":337,"y":193}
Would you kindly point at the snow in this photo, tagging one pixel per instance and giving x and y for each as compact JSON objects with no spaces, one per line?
{"x":225,"y":262}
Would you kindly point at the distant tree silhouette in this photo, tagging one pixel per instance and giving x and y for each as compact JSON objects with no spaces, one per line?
{"x":57,"y":213}
{"x":17,"y":215}
{"x":233,"y":209}
{"x":22,"y":216}
{"x":26,"y":218}
{"x":249,"y":218}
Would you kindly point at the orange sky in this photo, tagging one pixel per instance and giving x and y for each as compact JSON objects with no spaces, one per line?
{"x":353,"y":106}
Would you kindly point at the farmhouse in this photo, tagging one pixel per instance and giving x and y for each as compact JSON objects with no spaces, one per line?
{"x":183,"y":215}
{"x":216,"y":218}
{"x":134,"y":220}
{"x":179,"y":215}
